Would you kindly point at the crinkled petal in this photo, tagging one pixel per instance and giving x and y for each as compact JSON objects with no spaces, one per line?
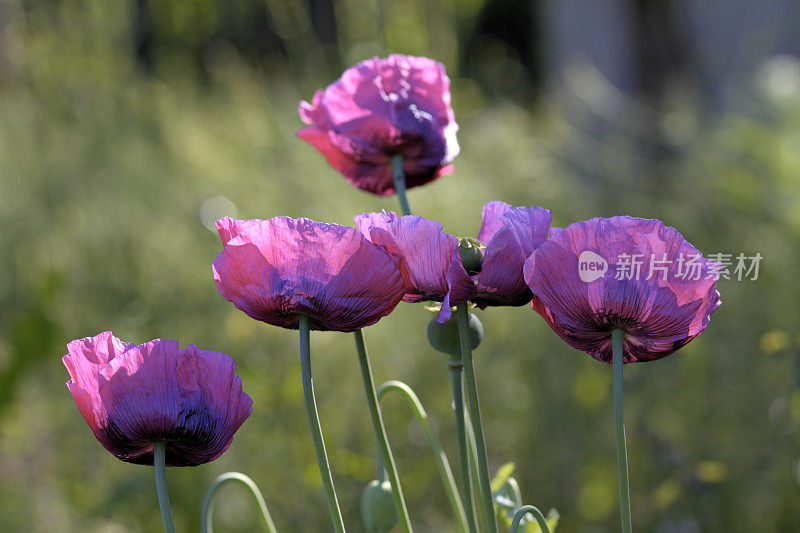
{"x":491,"y":219}
{"x":229,"y":228}
{"x":85,"y":356}
{"x":460,"y":288}
{"x":84,"y":359}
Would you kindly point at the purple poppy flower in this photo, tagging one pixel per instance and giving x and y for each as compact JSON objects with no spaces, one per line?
{"x":511,"y":235}
{"x":278,"y":269}
{"x":430,"y":262}
{"x":380,"y":108}
{"x":623,"y":272}
{"x":132,"y":396}
{"x":428,"y":257}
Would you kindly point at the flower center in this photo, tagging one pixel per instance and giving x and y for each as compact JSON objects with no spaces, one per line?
{"x":610,"y":319}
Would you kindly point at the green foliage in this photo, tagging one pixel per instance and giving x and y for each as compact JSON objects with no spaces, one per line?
{"x":508,"y":499}
{"x":109,"y":178}
{"x":502,"y":476}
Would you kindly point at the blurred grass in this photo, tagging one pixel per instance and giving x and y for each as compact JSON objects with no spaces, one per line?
{"x":107,"y":174}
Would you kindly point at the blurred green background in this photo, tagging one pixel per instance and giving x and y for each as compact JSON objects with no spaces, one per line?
{"x":128,"y":126}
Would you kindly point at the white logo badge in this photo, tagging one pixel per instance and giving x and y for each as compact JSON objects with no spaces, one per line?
{"x":591,"y":266}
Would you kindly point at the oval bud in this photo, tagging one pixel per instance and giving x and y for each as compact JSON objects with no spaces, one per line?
{"x":444,"y":337}
{"x":377,"y":507}
{"x":471,"y":253}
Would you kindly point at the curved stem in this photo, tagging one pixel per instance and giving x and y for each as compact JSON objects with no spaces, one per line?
{"x":207,"y":514}
{"x":475,"y":414}
{"x":316,"y":430}
{"x":380,"y":432}
{"x":400,"y":183}
{"x":537,"y":514}
{"x":617,"y":337}
{"x":159,"y":464}
{"x":456,"y":371}
{"x":433,"y":441}
{"x":513,"y":487}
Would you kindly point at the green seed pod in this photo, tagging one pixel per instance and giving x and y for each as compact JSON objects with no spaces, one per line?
{"x":377,"y":507}
{"x":444,"y":337}
{"x":471,"y":253}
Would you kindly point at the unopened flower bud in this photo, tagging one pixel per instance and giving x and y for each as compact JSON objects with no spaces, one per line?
{"x":377,"y":507}
{"x":444,"y":337}
{"x":471,"y":253}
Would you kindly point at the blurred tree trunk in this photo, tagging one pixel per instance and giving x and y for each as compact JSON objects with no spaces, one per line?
{"x":661,"y":62}
{"x":143,"y":34}
{"x":323,"y":20}
{"x":504,"y":37}
{"x":662,"y":47}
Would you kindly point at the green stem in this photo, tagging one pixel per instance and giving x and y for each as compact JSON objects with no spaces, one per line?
{"x":473,"y":470}
{"x":537,"y":514}
{"x":207,"y":514}
{"x":475,"y":414}
{"x":433,"y":441}
{"x":159,"y":464}
{"x":381,"y":469}
{"x":380,"y":432}
{"x":617,"y":337}
{"x":400,"y":183}
{"x":456,"y":371}
{"x":316,"y":430}
{"x":512,"y":486}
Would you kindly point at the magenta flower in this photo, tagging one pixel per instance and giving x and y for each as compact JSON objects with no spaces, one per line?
{"x":132,"y":396}
{"x":629,"y":273}
{"x":428,"y":257}
{"x":380,"y":108}
{"x":278,"y":269}
{"x":430,"y":262}
{"x":511,"y":235}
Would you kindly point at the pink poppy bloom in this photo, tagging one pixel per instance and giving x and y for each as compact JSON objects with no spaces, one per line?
{"x":511,"y":235}
{"x":278,"y":269}
{"x":634,"y":274}
{"x":132,"y":396}
{"x":380,"y":108}
{"x":428,"y":257}
{"x":430,"y":262}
